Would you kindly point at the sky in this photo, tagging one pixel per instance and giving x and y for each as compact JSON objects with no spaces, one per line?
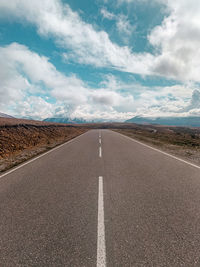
{"x":96,"y":60}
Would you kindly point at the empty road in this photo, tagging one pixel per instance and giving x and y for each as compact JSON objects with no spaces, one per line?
{"x":101,"y":199}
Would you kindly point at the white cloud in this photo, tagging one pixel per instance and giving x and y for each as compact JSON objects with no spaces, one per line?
{"x":34,"y":107}
{"x":106,"y":97}
{"x":26,"y":73}
{"x":125,"y":1}
{"x":123,"y":24}
{"x":193,"y":106}
{"x":177,"y":55}
{"x":25,"y":70}
{"x":178,"y":40}
{"x":112,"y":82}
{"x":85,"y":44}
{"x":107,"y":15}
{"x":140,"y":1}
{"x":90,"y":113}
{"x":119,"y":2}
{"x":163,"y":101}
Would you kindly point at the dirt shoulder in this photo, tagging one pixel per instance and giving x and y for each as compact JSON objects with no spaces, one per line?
{"x":179,"y":141}
{"x":20,"y":141}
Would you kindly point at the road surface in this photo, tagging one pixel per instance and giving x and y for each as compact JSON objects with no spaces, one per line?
{"x":101,"y":200}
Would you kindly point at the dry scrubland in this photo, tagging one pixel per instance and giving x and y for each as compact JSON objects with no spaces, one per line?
{"x":22,"y":139}
{"x":183,"y":142}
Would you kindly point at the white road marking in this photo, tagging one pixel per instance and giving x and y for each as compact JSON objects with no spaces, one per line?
{"x":29,"y":161}
{"x":100,"y":152}
{"x":100,"y":141}
{"x":101,"y":246}
{"x":99,"y":134}
{"x":158,"y":150}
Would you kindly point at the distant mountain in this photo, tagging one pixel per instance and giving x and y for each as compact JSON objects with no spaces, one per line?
{"x":175,"y":121}
{"x":65,"y":120}
{"x":3,"y":115}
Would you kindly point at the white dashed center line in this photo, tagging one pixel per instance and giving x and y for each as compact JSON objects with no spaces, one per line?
{"x":101,"y":246}
{"x":100,"y":152}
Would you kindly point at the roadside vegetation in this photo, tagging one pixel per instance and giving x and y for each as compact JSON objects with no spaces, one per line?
{"x":180,"y":141}
{"x":21,"y":140}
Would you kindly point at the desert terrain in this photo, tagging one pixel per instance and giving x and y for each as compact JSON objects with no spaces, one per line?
{"x":183,"y":142}
{"x":21,"y":140}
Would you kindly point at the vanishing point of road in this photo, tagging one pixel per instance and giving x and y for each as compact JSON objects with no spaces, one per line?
{"x":101,"y":199}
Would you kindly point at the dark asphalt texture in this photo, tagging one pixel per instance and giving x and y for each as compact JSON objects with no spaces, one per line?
{"x":152,"y":207}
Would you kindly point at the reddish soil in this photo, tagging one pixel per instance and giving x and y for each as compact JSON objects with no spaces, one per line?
{"x":22,"y":139}
{"x":14,"y":122}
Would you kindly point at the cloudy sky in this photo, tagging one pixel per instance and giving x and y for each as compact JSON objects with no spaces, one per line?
{"x":99,"y":59}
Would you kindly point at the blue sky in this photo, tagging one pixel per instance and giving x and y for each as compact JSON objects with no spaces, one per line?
{"x":99,"y":59}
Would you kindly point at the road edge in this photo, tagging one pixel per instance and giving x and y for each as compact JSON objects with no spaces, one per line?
{"x":20,"y":165}
{"x":158,"y":150}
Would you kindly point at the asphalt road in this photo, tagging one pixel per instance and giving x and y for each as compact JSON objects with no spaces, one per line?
{"x":101,"y":200}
